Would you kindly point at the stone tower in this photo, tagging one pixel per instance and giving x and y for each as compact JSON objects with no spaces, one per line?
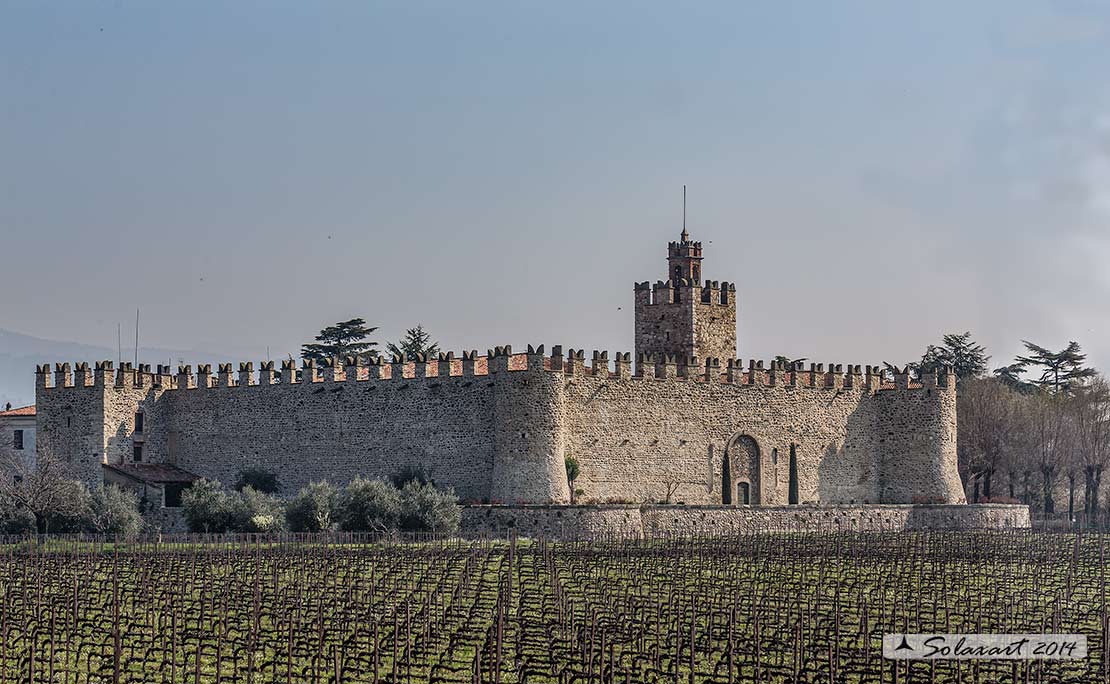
{"x":682,"y":316}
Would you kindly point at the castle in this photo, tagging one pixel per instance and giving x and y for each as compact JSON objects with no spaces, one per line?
{"x":687,"y":422}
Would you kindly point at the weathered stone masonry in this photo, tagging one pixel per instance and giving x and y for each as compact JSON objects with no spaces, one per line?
{"x":500,"y":429}
{"x":628,"y":521}
{"x":686,"y":423}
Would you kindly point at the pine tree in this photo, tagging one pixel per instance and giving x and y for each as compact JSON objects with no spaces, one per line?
{"x":963,"y":355}
{"x":788,"y":362}
{"x":416,"y":341}
{"x":1011,"y":376}
{"x":1061,"y":371}
{"x":346,"y":338}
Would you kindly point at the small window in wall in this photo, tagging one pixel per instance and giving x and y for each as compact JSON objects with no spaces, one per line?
{"x":137,"y":453}
{"x":743,"y":493}
{"x":17,"y":440}
{"x":139,"y":421}
{"x":774,"y":456}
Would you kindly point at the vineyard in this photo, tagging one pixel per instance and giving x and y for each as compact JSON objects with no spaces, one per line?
{"x":760,"y":608}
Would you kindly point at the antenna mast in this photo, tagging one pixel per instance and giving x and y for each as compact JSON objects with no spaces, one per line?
{"x":685,"y":235}
{"x":136,"y":338}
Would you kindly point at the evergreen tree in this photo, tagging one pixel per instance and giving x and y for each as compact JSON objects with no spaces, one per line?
{"x":347,"y":338}
{"x":1061,"y":371}
{"x":1011,"y":376}
{"x":416,"y":341}
{"x":963,"y":355}
{"x":788,"y":362}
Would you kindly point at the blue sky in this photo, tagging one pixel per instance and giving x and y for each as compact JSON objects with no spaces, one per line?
{"x":871,"y":174}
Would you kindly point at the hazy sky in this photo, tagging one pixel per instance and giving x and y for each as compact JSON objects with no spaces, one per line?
{"x":870,"y":174}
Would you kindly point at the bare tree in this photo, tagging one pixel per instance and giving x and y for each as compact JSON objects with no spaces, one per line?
{"x":1052,"y":443}
{"x":990,"y":430}
{"x":44,"y":489}
{"x":1022,"y":453}
{"x":670,"y":488}
{"x":1090,"y":414}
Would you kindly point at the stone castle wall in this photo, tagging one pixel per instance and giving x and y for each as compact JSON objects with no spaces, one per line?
{"x":498,"y":428}
{"x":70,"y":419}
{"x":593,"y":522}
{"x":646,"y":438}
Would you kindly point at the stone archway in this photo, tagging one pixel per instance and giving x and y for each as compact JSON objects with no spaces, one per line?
{"x":740,"y":481}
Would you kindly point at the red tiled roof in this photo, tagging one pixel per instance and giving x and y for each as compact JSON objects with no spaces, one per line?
{"x":21,"y":411}
{"x":153,"y":472}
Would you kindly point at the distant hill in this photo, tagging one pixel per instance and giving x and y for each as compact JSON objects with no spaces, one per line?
{"x":20,"y":353}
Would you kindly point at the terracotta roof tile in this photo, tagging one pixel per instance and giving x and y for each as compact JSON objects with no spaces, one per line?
{"x":21,"y":411}
{"x":153,"y":472}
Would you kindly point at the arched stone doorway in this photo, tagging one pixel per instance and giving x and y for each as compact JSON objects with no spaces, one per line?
{"x":740,"y":472}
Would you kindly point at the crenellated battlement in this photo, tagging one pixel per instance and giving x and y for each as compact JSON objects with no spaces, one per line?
{"x":664,"y":292}
{"x":682,"y":411}
{"x":500,"y":359}
{"x":684,"y":249}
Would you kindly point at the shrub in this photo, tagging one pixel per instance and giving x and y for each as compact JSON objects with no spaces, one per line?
{"x":260,"y":512}
{"x":369,"y":506}
{"x":573,"y":470}
{"x":258,"y":479}
{"x":46,"y":504}
{"x":114,"y":510}
{"x":72,"y":512}
{"x":15,"y":519}
{"x":313,"y":509}
{"x":211,"y":508}
{"x":427,"y":509}
{"x":411,"y":473}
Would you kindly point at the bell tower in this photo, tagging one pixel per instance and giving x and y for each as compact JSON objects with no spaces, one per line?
{"x":684,"y":259}
{"x":682,"y":316}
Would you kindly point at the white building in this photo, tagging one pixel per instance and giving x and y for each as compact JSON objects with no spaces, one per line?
{"x":17,"y":437}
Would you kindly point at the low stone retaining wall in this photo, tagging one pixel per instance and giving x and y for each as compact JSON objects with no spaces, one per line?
{"x":618,"y":520}
{"x":553,"y":522}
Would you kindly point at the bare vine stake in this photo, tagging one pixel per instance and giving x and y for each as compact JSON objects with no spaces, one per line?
{"x":693,"y":639}
{"x":758,"y":644}
{"x":731,"y":648}
{"x":396,"y":628}
{"x":1102,"y":597}
{"x":501,"y":608}
{"x":289,"y":653}
{"x":115,"y":616}
{"x":173,"y":641}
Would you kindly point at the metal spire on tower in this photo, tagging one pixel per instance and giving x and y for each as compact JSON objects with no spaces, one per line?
{"x":685,"y":235}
